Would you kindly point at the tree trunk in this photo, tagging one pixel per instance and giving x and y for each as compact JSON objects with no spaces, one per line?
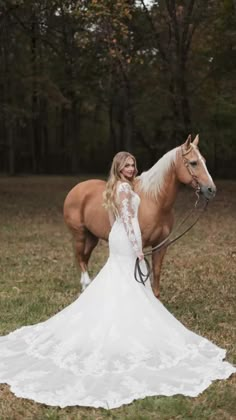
{"x":113,"y":141}
{"x":185,"y":106}
{"x":74,"y":139}
{"x":35,"y":141}
{"x":128,"y":116}
{"x":8,"y":116}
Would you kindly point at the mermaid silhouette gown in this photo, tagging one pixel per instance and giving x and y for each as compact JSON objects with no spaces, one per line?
{"x":113,"y":344}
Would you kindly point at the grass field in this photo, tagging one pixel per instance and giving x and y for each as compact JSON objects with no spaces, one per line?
{"x":39,"y":277}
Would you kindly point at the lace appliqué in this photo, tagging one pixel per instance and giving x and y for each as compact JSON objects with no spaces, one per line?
{"x":127,"y":213}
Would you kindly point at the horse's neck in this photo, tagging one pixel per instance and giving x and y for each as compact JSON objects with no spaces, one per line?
{"x":160,"y":183}
{"x":167,"y":195}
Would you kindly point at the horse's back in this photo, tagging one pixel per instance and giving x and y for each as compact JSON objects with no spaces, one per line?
{"x":83,"y":190}
{"x":83,"y":206}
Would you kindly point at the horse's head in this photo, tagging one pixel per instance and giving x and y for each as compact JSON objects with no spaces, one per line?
{"x":191,"y":168}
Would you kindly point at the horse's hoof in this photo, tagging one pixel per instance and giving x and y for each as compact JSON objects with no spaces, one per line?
{"x":85,"y":280}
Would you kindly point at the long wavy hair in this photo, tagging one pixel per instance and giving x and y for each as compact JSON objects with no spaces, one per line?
{"x":109,"y":195}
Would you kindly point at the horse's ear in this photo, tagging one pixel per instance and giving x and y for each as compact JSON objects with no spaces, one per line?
{"x":188,"y":142}
{"x":196,"y":140}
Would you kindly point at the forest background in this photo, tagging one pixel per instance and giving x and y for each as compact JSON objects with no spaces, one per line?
{"x":83,"y":79}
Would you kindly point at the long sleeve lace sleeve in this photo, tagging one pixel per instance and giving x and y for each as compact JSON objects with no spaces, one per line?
{"x":126,"y":214}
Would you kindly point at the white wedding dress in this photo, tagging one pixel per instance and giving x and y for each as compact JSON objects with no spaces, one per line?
{"x":113,"y":344}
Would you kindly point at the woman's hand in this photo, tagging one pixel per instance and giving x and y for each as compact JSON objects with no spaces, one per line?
{"x":140,"y":256}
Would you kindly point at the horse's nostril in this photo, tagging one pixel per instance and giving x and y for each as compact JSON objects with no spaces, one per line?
{"x":211,"y":191}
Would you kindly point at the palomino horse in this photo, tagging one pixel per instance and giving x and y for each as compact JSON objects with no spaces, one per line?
{"x":88,"y":220}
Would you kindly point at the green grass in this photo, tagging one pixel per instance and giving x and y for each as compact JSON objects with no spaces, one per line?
{"x":39,"y":277}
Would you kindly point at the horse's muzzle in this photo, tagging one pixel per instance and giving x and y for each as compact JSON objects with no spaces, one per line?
{"x":209,"y":191}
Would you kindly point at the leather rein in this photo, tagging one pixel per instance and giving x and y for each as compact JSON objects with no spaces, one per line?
{"x":139,"y":275}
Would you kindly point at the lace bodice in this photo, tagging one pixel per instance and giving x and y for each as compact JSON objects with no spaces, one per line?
{"x":128,"y":203}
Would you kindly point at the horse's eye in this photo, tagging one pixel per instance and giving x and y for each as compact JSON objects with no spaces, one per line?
{"x":193,"y":163}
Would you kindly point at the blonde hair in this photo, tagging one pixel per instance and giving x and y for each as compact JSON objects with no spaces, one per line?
{"x":109,"y":195}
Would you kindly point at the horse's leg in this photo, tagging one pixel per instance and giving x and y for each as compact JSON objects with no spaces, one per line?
{"x":157,"y":259}
{"x":84,"y":243}
{"x":90,"y":243}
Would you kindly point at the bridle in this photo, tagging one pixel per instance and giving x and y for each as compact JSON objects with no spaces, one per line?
{"x":194,"y":181}
{"x":141,"y":277}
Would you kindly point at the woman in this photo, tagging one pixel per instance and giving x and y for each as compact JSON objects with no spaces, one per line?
{"x":116,"y":342}
{"x":122,"y":203}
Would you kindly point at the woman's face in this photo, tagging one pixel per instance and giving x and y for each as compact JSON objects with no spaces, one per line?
{"x":129,"y":168}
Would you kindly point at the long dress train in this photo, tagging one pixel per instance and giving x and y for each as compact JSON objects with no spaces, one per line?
{"x":113,"y":344}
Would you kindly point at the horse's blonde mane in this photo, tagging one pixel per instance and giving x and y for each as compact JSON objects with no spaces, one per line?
{"x":152,"y":181}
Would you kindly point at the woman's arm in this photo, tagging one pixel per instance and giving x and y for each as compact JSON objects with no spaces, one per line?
{"x":126,"y":214}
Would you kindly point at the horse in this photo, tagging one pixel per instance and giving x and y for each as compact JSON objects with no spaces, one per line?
{"x":157,"y":187}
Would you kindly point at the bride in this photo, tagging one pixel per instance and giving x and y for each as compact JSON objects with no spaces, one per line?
{"x":116,"y":342}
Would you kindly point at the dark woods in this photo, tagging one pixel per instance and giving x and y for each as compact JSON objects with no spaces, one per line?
{"x":81,"y":80}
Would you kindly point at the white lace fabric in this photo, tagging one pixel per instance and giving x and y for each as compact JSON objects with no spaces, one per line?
{"x":127,"y":205}
{"x":113,"y":344}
